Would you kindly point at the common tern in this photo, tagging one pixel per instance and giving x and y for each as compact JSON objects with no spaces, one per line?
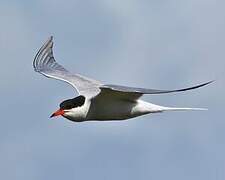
{"x":98,"y":101}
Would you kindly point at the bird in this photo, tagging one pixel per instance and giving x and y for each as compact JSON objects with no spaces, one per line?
{"x":97,"y":101}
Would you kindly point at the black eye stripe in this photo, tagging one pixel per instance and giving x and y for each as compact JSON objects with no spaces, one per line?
{"x":73,"y":103}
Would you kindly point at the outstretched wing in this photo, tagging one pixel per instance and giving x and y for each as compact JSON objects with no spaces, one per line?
{"x":45,"y":64}
{"x":148,"y":91}
{"x":132,"y":93}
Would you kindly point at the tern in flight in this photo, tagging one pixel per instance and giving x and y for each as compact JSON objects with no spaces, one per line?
{"x":97,"y":101}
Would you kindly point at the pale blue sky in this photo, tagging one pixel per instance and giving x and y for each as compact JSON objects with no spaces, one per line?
{"x":155,"y":44}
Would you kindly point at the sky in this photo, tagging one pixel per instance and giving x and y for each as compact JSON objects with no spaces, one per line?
{"x":152,"y":44}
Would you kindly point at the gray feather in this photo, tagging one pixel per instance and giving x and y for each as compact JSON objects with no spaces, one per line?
{"x":45,"y":64}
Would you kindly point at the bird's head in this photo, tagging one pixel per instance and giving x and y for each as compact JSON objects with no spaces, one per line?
{"x":68,"y":106}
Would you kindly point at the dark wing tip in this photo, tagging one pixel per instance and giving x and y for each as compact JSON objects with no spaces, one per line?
{"x":37,"y":59}
{"x":200,"y":85}
{"x":181,"y":90}
{"x":184,"y":89}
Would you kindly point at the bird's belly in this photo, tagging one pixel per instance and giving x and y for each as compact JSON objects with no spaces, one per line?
{"x":114,"y":110}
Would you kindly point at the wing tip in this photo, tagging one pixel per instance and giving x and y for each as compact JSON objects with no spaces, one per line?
{"x":51,"y":38}
{"x":48,"y":43}
{"x":209,"y":82}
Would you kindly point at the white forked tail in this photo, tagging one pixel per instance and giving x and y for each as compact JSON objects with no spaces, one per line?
{"x":157,"y":108}
{"x":182,"y":109}
{"x":147,"y":107}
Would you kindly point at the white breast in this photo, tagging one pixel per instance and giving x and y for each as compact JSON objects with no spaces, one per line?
{"x":79,"y":113}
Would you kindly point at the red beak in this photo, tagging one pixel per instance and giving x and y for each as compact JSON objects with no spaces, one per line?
{"x":57,"y":113}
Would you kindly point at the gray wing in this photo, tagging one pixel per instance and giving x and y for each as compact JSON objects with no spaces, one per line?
{"x":45,"y":64}
{"x":133,"y":93}
{"x":109,"y":93}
